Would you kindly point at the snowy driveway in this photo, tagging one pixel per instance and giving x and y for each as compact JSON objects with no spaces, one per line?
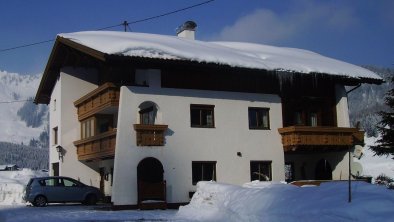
{"x":77,"y":212}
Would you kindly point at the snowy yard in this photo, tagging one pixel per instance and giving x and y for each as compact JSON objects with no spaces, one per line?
{"x":77,"y":212}
{"x":255,"y":201}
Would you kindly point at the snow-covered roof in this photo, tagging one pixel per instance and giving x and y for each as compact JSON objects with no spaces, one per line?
{"x":234,"y":54}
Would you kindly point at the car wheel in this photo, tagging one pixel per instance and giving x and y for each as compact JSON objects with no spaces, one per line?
{"x":91,"y":199}
{"x":40,"y":201}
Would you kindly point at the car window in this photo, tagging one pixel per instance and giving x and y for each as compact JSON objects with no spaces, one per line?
{"x":69,"y":183}
{"x":49,"y":182}
{"x":41,"y":182}
{"x":52,"y":182}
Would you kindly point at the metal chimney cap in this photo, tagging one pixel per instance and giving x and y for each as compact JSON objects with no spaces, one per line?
{"x":188,"y":25}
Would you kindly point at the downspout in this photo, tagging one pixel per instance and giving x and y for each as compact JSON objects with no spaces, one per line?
{"x":356,"y":87}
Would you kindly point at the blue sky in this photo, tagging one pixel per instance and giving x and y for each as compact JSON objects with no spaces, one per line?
{"x":356,"y":31}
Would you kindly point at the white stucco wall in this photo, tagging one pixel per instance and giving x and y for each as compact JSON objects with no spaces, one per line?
{"x":54,"y":121}
{"x":185,"y":144}
{"x":68,"y":89}
{"x":342,"y":106}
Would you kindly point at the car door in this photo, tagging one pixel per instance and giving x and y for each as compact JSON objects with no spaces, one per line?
{"x":73,"y":189}
{"x":52,"y":190}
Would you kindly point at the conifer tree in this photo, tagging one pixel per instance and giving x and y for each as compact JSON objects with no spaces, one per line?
{"x":385,"y":145}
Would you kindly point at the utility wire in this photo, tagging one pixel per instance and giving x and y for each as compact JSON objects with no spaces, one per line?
{"x":125,"y":23}
{"x":16,"y":101}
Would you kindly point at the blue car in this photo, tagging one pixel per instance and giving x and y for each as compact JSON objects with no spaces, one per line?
{"x":43,"y":190}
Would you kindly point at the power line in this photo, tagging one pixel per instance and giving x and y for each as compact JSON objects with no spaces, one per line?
{"x":125,"y":24}
{"x":26,"y":45}
{"x":16,"y":101}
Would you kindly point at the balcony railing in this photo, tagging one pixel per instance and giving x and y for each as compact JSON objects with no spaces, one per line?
{"x":105,"y":96}
{"x":150,"y":135}
{"x":101,"y":146}
{"x":296,"y":136}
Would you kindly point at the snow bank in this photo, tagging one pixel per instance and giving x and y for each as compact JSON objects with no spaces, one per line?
{"x":235,"y":54}
{"x":375,"y":165}
{"x":12,"y":185}
{"x":283,"y":202}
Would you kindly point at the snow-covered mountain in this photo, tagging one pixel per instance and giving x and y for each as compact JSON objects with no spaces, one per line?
{"x":21,"y":121}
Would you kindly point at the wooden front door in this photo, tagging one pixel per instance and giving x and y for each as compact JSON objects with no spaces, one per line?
{"x":151,"y":185}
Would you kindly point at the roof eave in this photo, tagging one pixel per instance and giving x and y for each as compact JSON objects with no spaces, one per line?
{"x":51,"y":72}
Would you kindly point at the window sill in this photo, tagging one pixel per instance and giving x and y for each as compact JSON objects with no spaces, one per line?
{"x":260,"y":128}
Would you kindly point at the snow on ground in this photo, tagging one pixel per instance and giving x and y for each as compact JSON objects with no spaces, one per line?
{"x":70,"y":212}
{"x":12,"y":185}
{"x":375,"y":165}
{"x":285,"y":202}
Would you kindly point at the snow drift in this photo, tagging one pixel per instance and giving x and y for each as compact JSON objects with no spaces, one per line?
{"x":261,"y":201}
{"x":12,"y":185}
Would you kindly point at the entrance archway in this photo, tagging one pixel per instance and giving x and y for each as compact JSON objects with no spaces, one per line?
{"x":151,"y":184}
{"x":150,"y":170}
{"x":323,"y":170}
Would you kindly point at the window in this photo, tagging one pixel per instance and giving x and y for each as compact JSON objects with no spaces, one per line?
{"x":87,"y":128}
{"x":55,"y":136}
{"x":313,"y":119}
{"x":289,"y":172}
{"x":54,"y":105}
{"x":203,"y":171}
{"x":69,"y":183}
{"x":202,"y":116}
{"x":147,"y":116}
{"x":260,"y":170}
{"x":258,"y":118}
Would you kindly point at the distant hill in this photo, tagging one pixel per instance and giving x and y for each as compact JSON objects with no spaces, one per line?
{"x":366,"y":101}
{"x":24,"y":156}
{"x":22,"y":122}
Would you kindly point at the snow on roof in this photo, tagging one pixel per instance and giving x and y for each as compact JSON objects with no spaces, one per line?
{"x":234,"y":54}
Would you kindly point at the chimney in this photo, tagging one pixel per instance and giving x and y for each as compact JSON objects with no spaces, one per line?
{"x":187,"y":30}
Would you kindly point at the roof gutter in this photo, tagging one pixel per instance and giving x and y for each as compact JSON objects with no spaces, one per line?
{"x":356,"y":87}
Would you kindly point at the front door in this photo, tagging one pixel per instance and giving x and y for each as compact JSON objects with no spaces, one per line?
{"x":323,"y":170}
{"x":151,"y":185}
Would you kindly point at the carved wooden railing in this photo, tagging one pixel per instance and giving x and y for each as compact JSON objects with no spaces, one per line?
{"x":106,"y":95}
{"x":150,"y":135}
{"x":101,"y":146}
{"x":294,"y":136}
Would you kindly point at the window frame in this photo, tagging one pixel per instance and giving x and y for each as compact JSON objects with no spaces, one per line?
{"x":257,"y":110}
{"x":202,"y":163}
{"x":269,"y":162}
{"x":55,"y":131}
{"x":200,"y":108}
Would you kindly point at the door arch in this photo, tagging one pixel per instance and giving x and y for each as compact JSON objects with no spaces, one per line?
{"x":323,"y":170}
{"x":150,"y":170}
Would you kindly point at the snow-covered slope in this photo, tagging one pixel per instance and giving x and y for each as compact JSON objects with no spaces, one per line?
{"x":14,"y":88}
{"x":375,"y":165}
{"x":12,"y":185}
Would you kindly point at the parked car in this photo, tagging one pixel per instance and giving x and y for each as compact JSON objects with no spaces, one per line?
{"x":42,"y":190}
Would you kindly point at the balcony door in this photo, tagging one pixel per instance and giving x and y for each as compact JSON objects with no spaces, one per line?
{"x":323,"y":170}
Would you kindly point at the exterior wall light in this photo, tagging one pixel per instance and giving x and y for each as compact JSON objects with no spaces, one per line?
{"x":59,"y":150}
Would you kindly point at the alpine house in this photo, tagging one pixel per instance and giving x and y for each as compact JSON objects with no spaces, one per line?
{"x":145,"y":116}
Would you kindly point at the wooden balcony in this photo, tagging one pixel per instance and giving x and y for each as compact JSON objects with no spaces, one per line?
{"x":150,"y":135}
{"x":101,"y":146}
{"x":98,"y":100}
{"x":303,"y":136}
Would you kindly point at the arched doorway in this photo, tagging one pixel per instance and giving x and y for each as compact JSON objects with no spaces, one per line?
{"x":151,"y":184}
{"x":323,"y":170}
{"x":150,"y":170}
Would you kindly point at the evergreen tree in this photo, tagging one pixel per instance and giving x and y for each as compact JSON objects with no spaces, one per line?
{"x":385,"y":145}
